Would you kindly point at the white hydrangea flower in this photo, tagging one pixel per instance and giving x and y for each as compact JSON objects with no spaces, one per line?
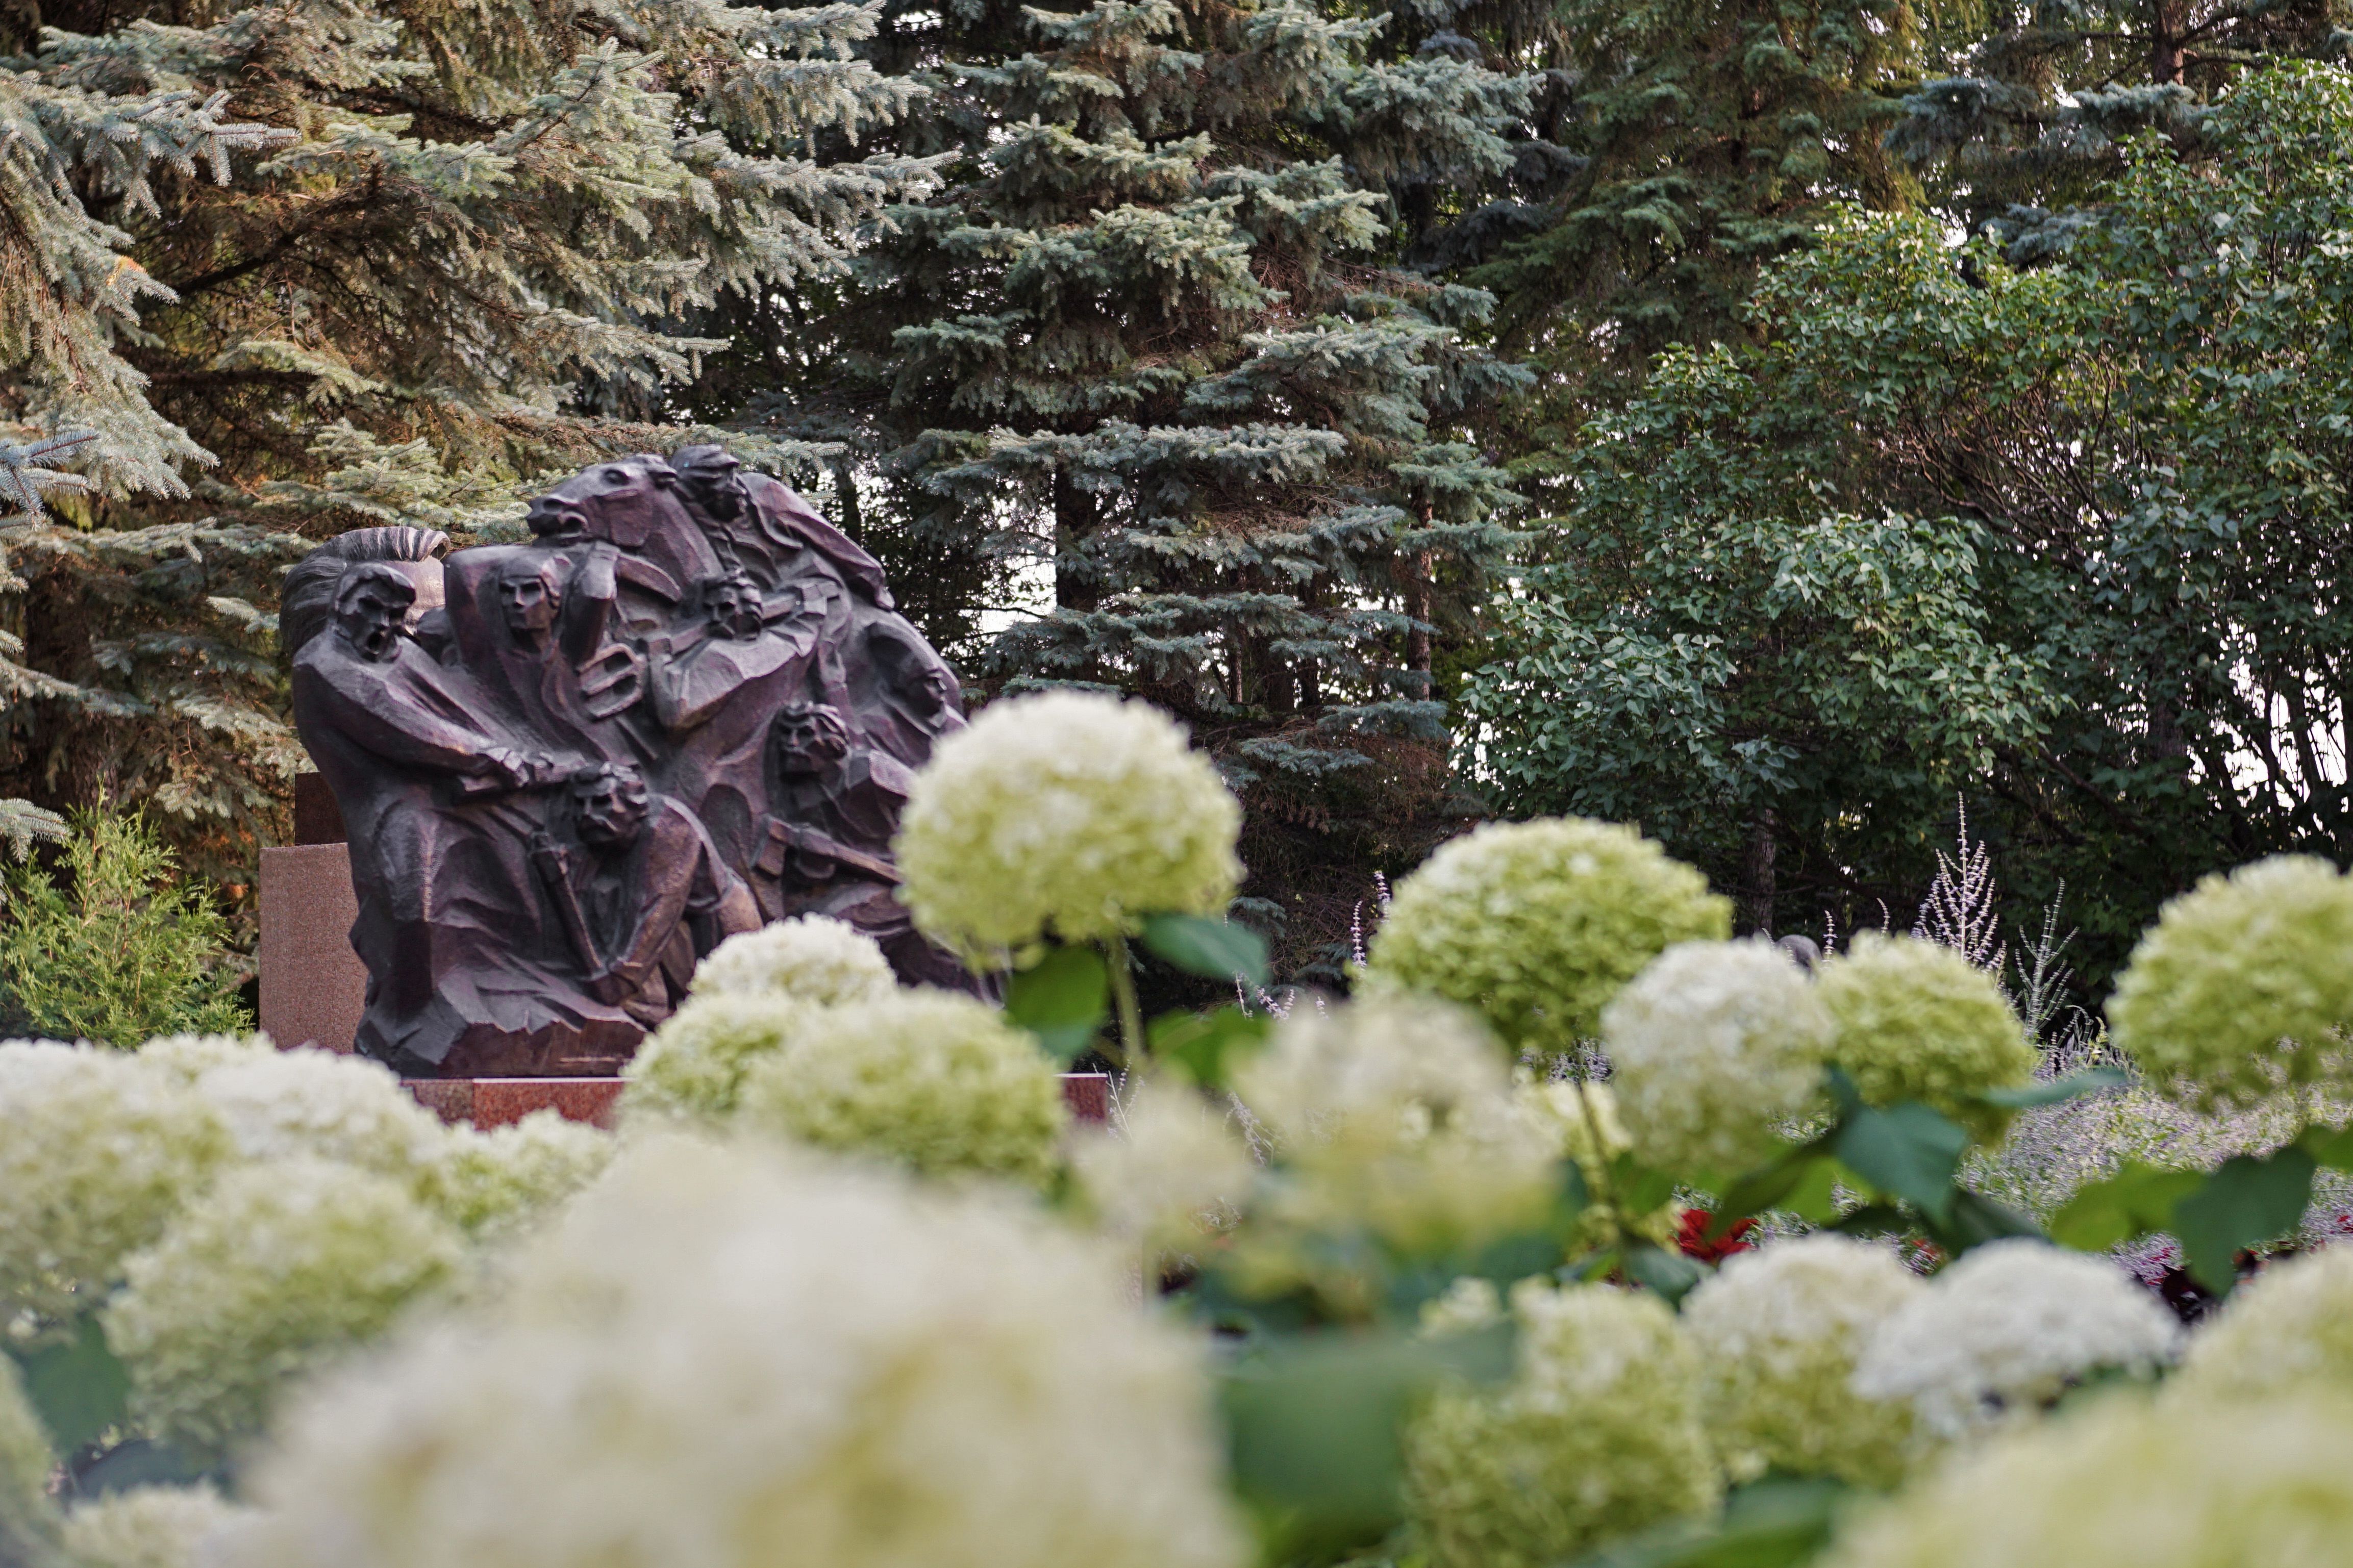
{"x":1469,"y":1304}
{"x":2117,"y":1485}
{"x":283,"y":1104}
{"x":1779,"y":1332}
{"x":691,"y":1069}
{"x":488,"y":1183}
{"x":2288,"y":1330}
{"x":735,"y":1357}
{"x":811,"y":958}
{"x":932,"y":1078}
{"x":282,"y":1267}
{"x":1597,"y":1436}
{"x":1167,"y":1173}
{"x":188,"y":1057}
{"x":96,"y":1155}
{"x":1711,"y":1048}
{"x":1066,"y":814}
{"x":2005,"y":1328}
{"x":1397,"y":1117}
{"x":150,"y":1527}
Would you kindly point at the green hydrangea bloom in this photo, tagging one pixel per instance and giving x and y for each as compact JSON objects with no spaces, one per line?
{"x":1779,"y":1331}
{"x":491,"y":1183}
{"x":1712,"y":1048}
{"x":149,"y":1527}
{"x":1597,"y":1436}
{"x":28,"y":1523}
{"x":279,"y":1268}
{"x":2243,"y":984}
{"x":933,"y":1079}
{"x":1067,"y":814}
{"x":97,"y":1154}
{"x":691,"y":1069}
{"x":810,"y":958}
{"x":2289,"y":1329}
{"x":1914,"y":1020}
{"x":2116,"y":1485}
{"x":1537,"y":924}
{"x":1396,"y":1119}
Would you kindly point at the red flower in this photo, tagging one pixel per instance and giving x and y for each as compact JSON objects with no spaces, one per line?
{"x":1692,"y":1238}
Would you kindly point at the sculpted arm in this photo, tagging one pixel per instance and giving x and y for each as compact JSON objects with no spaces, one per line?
{"x":379,"y":718}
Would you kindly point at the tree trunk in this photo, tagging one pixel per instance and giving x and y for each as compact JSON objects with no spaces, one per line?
{"x":1757,"y":895}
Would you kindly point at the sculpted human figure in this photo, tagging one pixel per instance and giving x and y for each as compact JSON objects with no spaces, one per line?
{"x":401,"y":741}
{"x":837,"y":806}
{"x":643,"y":895}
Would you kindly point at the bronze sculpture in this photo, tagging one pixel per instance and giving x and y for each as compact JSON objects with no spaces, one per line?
{"x":569,"y":768}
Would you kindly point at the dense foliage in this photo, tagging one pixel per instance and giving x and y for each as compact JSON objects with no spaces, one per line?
{"x":2059,"y":540}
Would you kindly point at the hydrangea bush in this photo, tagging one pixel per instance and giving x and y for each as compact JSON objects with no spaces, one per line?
{"x":1598,"y":1434}
{"x":786,"y":1362}
{"x":281,"y":1267}
{"x":1915,"y":1020}
{"x":2242,"y":987}
{"x":1778,"y":1332}
{"x":1537,"y":925}
{"x":1715,"y":1046}
{"x":1068,"y":814}
{"x":933,"y":1079}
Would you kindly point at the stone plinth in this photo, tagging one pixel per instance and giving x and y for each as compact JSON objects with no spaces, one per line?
{"x":1088,"y":1094}
{"x":313,"y":986}
{"x":488,"y":1102}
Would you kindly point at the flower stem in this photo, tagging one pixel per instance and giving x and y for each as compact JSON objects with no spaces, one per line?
{"x":1122,"y":991}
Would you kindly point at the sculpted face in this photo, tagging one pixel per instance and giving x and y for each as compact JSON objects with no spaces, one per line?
{"x":371,"y":609}
{"x":612,"y":804}
{"x":708,"y":475}
{"x":935,"y":689}
{"x":810,"y":739}
{"x":736,"y":609}
{"x":531,"y":598}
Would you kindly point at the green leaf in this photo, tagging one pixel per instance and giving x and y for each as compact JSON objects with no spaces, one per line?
{"x":1776,"y":1522}
{"x":1671,"y":1274}
{"x":77,"y":1387}
{"x":2091,"y":1080}
{"x":1313,"y":1428}
{"x":1770,"y":1186}
{"x":2246,"y":1202}
{"x":2331,"y":1147}
{"x":141,"y":1462}
{"x":1205,"y":1045}
{"x":1062,"y":999}
{"x":1907,"y":1151}
{"x":2136,"y":1201}
{"x":1978,"y":1219}
{"x":1215,"y":950}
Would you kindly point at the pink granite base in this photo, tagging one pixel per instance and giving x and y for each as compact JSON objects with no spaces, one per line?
{"x":488,"y":1102}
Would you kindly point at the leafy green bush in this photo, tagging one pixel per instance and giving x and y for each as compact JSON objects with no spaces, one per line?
{"x":115,"y":947}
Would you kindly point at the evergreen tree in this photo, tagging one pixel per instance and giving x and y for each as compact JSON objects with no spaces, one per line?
{"x":1693,"y":143}
{"x":457,"y":256}
{"x":1139,"y":372}
{"x":2030,"y":119}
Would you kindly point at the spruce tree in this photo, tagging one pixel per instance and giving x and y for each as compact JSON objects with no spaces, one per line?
{"x":1140,"y":371}
{"x":2029,"y":118}
{"x":270,"y":272}
{"x":1692,"y":143}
